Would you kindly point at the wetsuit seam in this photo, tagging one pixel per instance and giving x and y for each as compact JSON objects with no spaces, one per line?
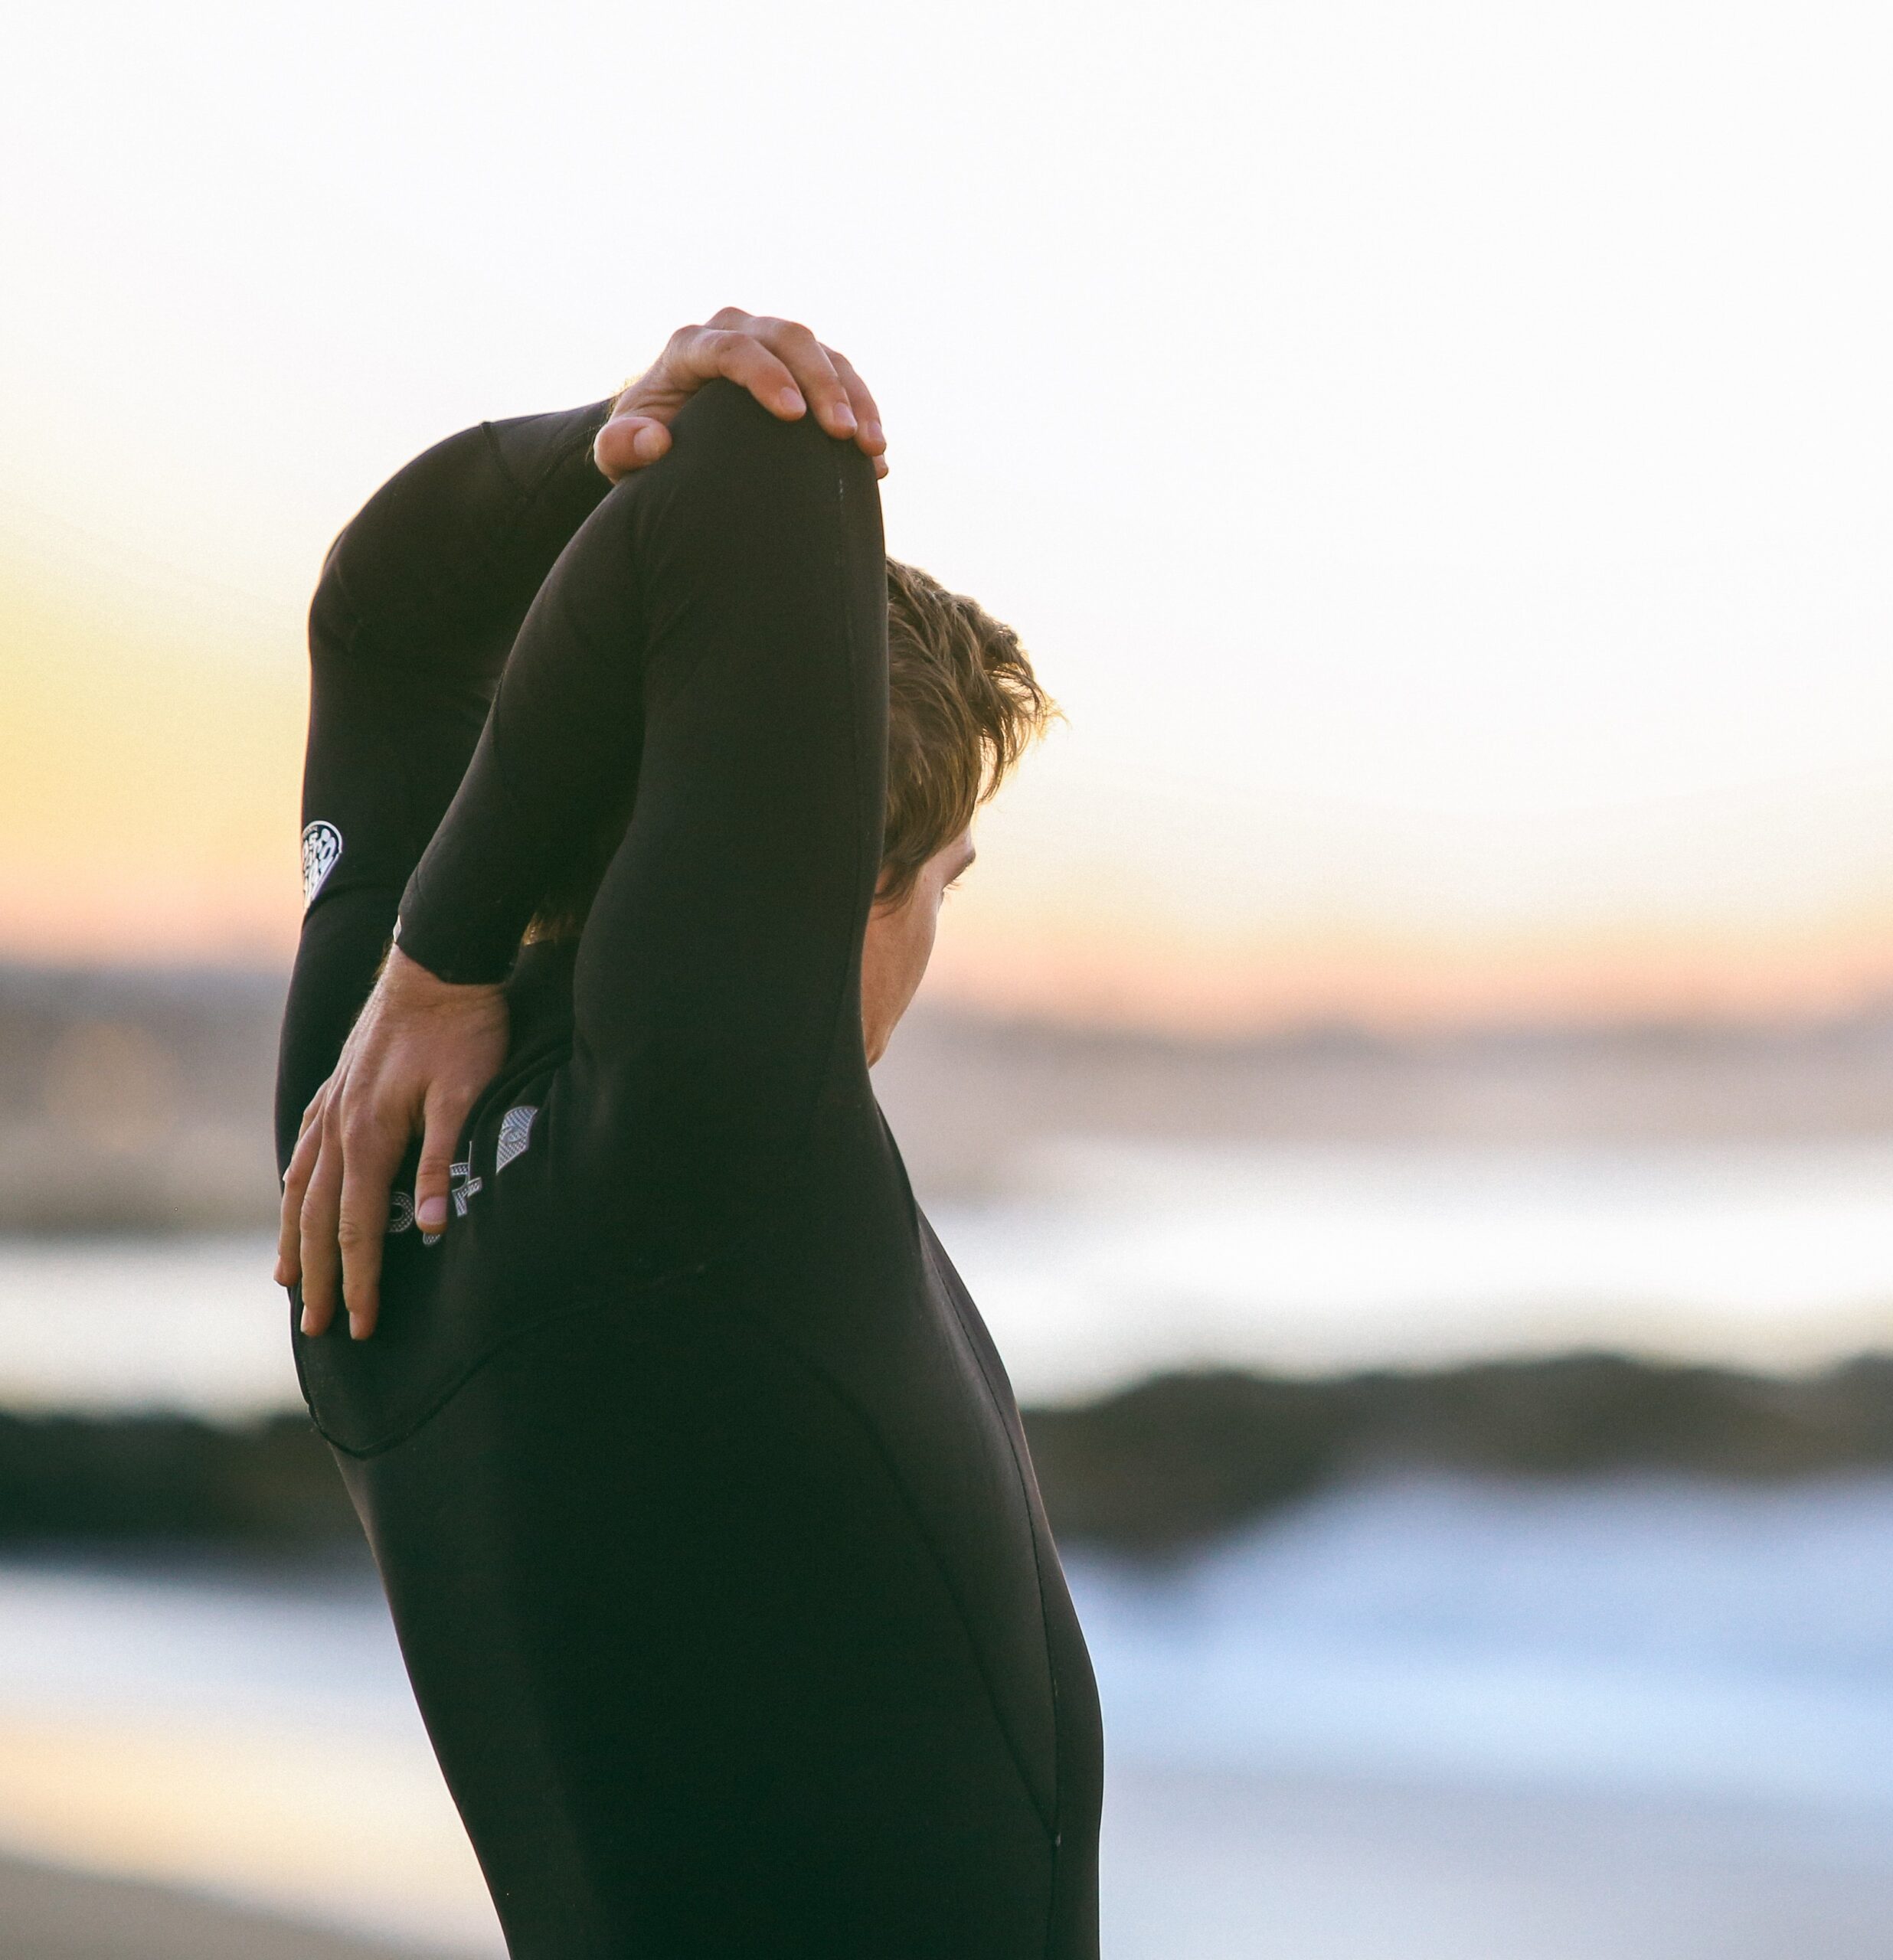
{"x":898,"y":1484}
{"x":497,"y":453}
{"x":561,"y":459}
{"x":525,"y":495}
{"x":1038,"y":1570}
{"x":1054,"y":1830}
{"x":573,"y":1310}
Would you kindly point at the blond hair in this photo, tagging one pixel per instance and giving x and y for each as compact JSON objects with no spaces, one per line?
{"x":963,"y":706}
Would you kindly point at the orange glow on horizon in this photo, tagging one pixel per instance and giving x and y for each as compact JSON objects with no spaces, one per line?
{"x":148,"y":769}
{"x":249,"y":915}
{"x":1388,"y":981}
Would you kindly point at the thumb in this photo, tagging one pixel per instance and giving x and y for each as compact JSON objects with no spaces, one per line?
{"x":627,"y":443}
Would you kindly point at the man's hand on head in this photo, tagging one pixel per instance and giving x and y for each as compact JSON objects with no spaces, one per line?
{"x":779,"y":362}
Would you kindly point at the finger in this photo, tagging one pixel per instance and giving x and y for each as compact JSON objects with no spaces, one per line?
{"x":708,"y":352}
{"x":289,"y":1266}
{"x":807,"y":359}
{"x":627,"y":443}
{"x":368,"y":1169}
{"x":869,"y":435}
{"x":322,"y":1206}
{"x":433,"y":1180}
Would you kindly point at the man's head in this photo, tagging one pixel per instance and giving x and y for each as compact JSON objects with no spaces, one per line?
{"x":963,"y":706}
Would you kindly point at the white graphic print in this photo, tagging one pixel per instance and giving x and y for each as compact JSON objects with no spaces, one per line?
{"x":466,"y":1184}
{"x":466,"y":1190}
{"x":516,"y":1132}
{"x":321,"y":846}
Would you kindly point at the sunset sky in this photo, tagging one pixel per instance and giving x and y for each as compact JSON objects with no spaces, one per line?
{"x":1442,"y":458}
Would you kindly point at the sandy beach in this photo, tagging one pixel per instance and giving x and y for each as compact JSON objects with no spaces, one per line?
{"x":1231,"y":1867}
{"x":47,"y":1912}
{"x":1441,"y":1719}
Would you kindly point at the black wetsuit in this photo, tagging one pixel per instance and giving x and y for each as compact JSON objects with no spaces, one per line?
{"x":698,"y":1487}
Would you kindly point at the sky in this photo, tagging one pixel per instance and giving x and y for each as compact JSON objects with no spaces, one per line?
{"x":1441,"y":457}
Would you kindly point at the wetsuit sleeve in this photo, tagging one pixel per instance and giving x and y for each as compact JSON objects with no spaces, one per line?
{"x":716,"y":630}
{"x":412,"y":621}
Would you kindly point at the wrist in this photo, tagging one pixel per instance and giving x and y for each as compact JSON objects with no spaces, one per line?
{"x":404,"y":976}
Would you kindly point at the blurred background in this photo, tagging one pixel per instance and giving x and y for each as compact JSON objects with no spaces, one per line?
{"x":1411,"y":1081}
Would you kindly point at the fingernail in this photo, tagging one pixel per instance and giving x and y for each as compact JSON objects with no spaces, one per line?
{"x":791,"y":401}
{"x":307,"y":1323}
{"x":872,"y":432}
{"x":646,"y":443}
{"x":281,"y":1280}
{"x":433,"y":1214}
{"x":844,"y":419}
{"x":358,"y":1328}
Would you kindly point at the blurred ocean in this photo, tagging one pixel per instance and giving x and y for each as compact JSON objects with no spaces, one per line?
{"x":1105,"y":1260}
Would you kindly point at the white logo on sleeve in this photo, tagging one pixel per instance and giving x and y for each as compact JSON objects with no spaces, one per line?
{"x":516,"y":1132}
{"x":321,"y":846}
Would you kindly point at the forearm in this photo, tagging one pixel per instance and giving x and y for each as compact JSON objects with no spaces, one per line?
{"x":410,"y":628}
{"x":412,"y":624}
{"x":714,"y":633}
{"x":560,"y":745}
{"x":437,"y":569}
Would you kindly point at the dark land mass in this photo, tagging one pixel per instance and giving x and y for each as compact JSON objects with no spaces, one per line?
{"x":1183,"y":1458}
{"x":135,"y":1100}
{"x":1172,"y":1463}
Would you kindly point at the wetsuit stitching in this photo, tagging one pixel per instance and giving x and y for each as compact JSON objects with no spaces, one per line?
{"x":815,"y":1369}
{"x":924,"y":1235}
{"x":526,"y":495}
{"x":499,"y":457}
{"x":579,"y":1308}
{"x":1054,"y":1828}
{"x":573,"y":1310}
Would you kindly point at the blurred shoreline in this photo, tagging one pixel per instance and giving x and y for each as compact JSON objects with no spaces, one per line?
{"x":1154,"y":1472}
{"x":138,"y":1100}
